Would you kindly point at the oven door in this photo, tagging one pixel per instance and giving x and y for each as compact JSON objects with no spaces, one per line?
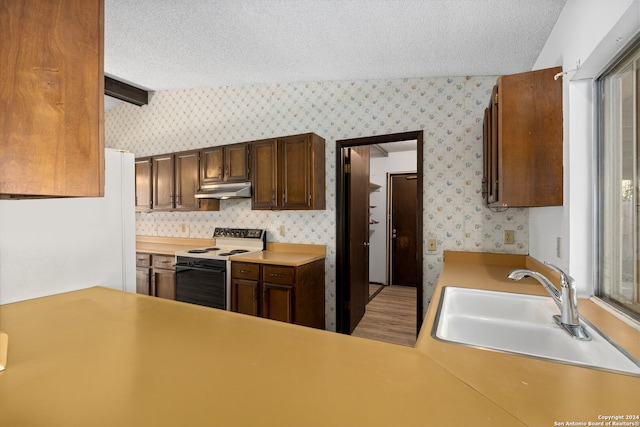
{"x":201,"y":285}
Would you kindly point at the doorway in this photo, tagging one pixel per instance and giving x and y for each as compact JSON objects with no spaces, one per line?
{"x":351,"y":280}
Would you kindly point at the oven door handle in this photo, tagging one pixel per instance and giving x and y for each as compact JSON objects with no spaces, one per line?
{"x":195,"y":267}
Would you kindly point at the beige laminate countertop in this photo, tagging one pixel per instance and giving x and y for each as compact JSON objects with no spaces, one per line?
{"x":289,"y":254}
{"x":169,"y":245}
{"x":284,"y":254}
{"x":537,"y":392}
{"x":102,"y":357}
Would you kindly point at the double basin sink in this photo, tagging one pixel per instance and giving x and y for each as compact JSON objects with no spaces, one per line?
{"x":523,"y":325}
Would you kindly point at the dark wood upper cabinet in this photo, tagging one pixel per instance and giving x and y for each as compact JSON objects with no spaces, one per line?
{"x":52,"y":98}
{"x":523,"y":138}
{"x":264,"y":185}
{"x":144,"y":177}
{"x":175,"y":181}
{"x":225,"y":163}
{"x":187,"y":180}
{"x":289,"y":173}
{"x":163,"y":168}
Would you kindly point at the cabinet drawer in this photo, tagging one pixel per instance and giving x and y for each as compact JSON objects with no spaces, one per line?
{"x":245,"y":270}
{"x":143,"y":260}
{"x":163,"y":261}
{"x":278,"y":274}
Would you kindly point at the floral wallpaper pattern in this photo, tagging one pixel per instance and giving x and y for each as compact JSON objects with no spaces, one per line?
{"x":448,"y":109}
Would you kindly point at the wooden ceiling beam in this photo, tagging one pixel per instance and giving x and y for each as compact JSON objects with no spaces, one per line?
{"x":125,"y":92}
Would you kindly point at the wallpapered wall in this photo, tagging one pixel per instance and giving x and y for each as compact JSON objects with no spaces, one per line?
{"x":449,"y":110}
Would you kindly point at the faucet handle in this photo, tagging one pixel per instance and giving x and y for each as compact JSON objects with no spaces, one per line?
{"x":565,"y":279}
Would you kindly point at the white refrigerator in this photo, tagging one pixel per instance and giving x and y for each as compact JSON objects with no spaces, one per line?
{"x":49,"y":246}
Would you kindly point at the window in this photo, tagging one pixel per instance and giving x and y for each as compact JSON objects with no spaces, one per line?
{"x":619,"y":228}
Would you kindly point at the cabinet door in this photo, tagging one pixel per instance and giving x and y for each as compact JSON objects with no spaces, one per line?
{"x":527,"y":114}
{"x":245,"y":296}
{"x":494,"y":179}
{"x":264,"y":174}
{"x":164,"y":283}
{"x":163,"y":182}
{"x":143,"y":281}
{"x":52,"y":90}
{"x":187,"y":180}
{"x":143,"y":184}
{"x":236,"y":165}
{"x":277,"y":302}
{"x":296,"y":174}
{"x":212,"y":165}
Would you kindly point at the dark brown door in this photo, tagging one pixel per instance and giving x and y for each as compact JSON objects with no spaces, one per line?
{"x":358,"y":219}
{"x":404,"y":268}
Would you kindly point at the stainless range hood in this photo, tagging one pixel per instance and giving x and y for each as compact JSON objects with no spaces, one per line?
{"x":232,"y":190}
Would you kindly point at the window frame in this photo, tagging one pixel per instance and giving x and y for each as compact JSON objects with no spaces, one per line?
{"x":631,"y":50}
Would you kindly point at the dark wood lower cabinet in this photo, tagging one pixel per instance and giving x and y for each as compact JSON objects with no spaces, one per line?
{"x":284,"y":293}
{"x":277,"y":302}
{"x":244,"y":296}
{"x":155,"y":275}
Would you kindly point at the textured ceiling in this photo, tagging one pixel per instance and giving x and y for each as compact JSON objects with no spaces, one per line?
{"x":168,"y":44}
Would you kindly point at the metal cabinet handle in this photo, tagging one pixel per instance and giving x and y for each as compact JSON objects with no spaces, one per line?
{"x":276,"y":275}
{"x":244,"y":271}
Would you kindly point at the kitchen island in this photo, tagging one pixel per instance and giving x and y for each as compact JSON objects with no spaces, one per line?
{"x":102,"y":357}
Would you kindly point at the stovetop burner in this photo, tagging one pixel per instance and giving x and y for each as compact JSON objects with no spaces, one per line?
{"x":234,"y":251}
{"x":204,"y":250}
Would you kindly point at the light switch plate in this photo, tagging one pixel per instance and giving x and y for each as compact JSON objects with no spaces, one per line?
{"x":432,"y":244}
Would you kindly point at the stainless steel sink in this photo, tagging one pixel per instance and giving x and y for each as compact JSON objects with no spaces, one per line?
{"x":523,"y":325}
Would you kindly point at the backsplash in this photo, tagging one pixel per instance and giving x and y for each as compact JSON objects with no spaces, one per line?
{"x":449,"y":110}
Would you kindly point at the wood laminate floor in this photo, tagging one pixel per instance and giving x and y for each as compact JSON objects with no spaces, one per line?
{"x":390,"y":316}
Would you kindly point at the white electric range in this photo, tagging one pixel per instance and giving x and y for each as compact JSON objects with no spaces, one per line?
{"x":203,"y":275}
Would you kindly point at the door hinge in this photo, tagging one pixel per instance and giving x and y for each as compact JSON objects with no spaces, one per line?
{"x":347,"y":168}
{"x":496,"y":99}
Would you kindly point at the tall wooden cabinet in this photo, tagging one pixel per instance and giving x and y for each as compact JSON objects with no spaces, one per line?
{"x":289,"y":173}
{"x":52,"y":98}
{"x":523,"y":141}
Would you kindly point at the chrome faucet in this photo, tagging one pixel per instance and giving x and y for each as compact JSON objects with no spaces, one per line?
{"x":566,"y":300}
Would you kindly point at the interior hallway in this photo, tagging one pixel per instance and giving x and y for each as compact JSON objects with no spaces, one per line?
{"x":390,"y":316}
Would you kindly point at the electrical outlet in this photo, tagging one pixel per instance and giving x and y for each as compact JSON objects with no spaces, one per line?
{"x":282,"y":230}
{"x":559,"y":247}
{"x":509,"y":237}
{"x":432,"y":244}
